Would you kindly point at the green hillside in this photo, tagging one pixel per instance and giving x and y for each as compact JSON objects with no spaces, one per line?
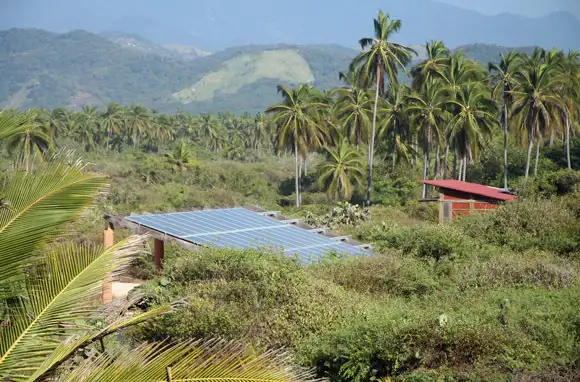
{"x":43,"y":69}
{"x":286,"y":66}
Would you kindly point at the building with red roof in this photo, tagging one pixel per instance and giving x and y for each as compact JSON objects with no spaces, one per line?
{"x":463,"y":198}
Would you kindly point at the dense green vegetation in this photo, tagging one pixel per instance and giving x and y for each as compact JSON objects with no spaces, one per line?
{"x":489,"y":297}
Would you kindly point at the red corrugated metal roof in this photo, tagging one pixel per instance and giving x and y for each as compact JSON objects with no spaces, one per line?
{"x":470,"y":188}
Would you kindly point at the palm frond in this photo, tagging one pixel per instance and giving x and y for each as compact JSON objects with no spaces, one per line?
{"x":38,"y":205}
{"x":62,"y":290}
{"x":189,"y":362}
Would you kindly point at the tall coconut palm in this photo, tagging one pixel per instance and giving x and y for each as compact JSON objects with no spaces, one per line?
{"x":380,"y":60}
{"x":395,"y":129}
{"x":137,"y":122}
{"x":30,"y":142}
{"x":505,"y":82}
{"x":209,"y":127}
{"x":571,"y":95}
{"x":432,"y":68}
{"x":428,"y":112}
{"x":112,"y":121}
{"x":535,"y":98}
{"x":473,"y":120}
{"x":342,"y":171}
{"x":353,"y":110}
{"x":295,"y":120}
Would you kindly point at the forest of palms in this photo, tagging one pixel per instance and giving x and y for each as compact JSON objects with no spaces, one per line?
{"x":488,"y":297}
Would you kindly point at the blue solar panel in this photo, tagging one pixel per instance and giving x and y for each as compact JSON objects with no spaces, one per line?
{"x":244,"y":229}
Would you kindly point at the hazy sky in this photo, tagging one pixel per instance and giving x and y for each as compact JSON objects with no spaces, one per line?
{"x":531,"y":8}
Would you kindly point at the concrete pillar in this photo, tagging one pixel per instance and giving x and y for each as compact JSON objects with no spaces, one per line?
{"x":159,"y":254}
{"x":108,"y":241}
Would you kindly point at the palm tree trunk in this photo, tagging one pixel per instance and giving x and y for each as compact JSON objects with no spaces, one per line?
{"x":446,"y":162}
{"x":455,"y":163}
{"x":108,"y":138}
{"x":425,"y":165}
{"x":300,"y":177}
{"x":297,"y":181}
{"x":460,"y":177}
{"x":505,"y":145}
{"x":551,"y":142}
{"x":538,"y":142}
{"x":464,"y":169}
{"x":372,"y":141}
{"x":529,"y":158}
{"x":568,"y":142}
{"x":436,"y":169}
{"x":305,"y":166}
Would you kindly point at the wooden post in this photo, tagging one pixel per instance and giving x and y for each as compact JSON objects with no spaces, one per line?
{"x":108,"y":241}
{"x":159,"y":254}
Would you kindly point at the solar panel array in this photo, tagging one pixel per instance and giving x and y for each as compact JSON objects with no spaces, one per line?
{"x":243,"y":229}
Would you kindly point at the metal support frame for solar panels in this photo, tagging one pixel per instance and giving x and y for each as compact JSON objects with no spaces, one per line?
{"x":341,"y":238}
{"x":365,"y":246}
{"x":290,"y":221}
{"x":269,"y":213}
{"x":319,"y":230}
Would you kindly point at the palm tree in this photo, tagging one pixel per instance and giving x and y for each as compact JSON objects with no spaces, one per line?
{"x":432,"y":68}
{"x":381,"y":59}
{"x":395,"y":130}
{"x":295,"y":120}
{"x":160,"y":131}
{"x":571,"y":95}
{"x":472,"y":122}
{"x":353,"y":109}
{"x":342,"y":172}
{"x":182,"y":156}
{"x":535,"y":99}
{"x":505,"y":82}
{"x":49,"y":292}
{"x":428,"y":112}
{"x":137,"y":123}
{"x":31,"y":142}
{"x":209,"y":127}
{"x":112,"y":121}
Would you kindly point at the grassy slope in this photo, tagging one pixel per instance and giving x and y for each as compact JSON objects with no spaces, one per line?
{"x":285,"y":66}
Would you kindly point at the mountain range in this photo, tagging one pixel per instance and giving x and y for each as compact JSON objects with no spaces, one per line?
{"x":45,"y":69}
{"x":214,"y":25}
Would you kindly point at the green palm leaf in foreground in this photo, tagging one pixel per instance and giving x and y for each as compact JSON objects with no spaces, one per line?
{"x":62,"y":290}
{"x":36,"y":206}
{"x":190,"y":361}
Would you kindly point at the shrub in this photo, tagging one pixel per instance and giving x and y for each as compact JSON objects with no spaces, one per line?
{"x":264,"y":298}
{"x":425,"y":242}
{"x":525,"y":224}
{"x":380,"y":275}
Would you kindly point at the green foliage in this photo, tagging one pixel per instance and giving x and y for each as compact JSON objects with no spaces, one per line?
{"x":529,"y":223}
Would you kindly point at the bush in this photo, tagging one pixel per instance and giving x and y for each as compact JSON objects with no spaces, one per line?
{"x":424,"y":242}
{"x":526,"y":224}
{"x":265,"y":298}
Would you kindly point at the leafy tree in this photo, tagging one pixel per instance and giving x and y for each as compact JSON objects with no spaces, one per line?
{"x":112,"y":121}
{"x":432,"y":68}
{"x":137,"y":122}
{"x":182,"y":156}
{"x":428,"y":110}
{"x":353,"y":109}
{"x":472,"y":122}
{"x":535,"y":99}
{"x":395,"y":128}
{"x":297,"y":130}
{"x":31,"y":142}
{"x":342,"y":172}
{"x":380,"y":60}
{"x":505,"y":82}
